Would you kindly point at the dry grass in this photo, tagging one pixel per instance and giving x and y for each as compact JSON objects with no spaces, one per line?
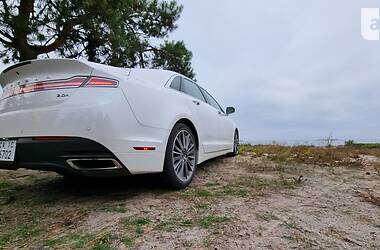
{"x":323,"y":156}
{"x":370,"y":196}
{"x":245,"y":186}
{"x":42,"y":210}
{"x":377,"y":168}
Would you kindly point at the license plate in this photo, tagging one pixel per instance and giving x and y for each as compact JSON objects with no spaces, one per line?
{"x":7,"y":150}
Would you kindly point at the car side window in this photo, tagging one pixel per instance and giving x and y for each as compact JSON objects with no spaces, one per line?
{"x":176,"y":83}
{"x":192,"y":89}
{"x":210,"y":100}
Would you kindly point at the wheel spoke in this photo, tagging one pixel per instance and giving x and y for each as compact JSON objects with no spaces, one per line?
{"x":183,"y":140}
{"x":184,"y":169}
{"x":177,"y":167}
{"x":176,"y":152}
{"x":192,"y":163}
{"x":177,"y":149}
{"x":189,"y":166}
{"x":180,"y":143}
{"x":188,"y":142}
{"x":175,"y":159}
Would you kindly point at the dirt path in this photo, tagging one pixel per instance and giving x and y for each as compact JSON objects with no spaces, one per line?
{"x":233,"y":203}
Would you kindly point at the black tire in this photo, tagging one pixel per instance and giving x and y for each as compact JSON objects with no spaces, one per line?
{"x":235,"y":152}
{"x":180,"y":166}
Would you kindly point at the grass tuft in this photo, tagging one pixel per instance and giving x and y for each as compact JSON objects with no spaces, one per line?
{"x":20,"y":233}
{"x":5,"y":185}
{"x":210,"y":220}
{"x":135,"y":228}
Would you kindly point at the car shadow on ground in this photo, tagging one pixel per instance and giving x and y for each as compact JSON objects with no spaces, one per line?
{"x":45,"y":187}
{"x":137,"y":183}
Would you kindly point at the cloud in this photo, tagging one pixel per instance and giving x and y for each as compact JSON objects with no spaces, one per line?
{"x":294,"y":69}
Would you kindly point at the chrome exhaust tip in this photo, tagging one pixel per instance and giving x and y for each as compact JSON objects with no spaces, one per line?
{"x":94,"y":164}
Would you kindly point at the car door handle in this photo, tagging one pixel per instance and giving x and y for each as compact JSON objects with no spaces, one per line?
{"x":196,"y":102}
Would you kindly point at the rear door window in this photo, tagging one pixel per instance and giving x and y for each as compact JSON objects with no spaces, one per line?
{"x":192,"y":89}
{"x":176,"y":83}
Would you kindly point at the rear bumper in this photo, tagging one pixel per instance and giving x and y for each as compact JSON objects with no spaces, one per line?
{"x":99,"y":115}
{"x":55,"y":155}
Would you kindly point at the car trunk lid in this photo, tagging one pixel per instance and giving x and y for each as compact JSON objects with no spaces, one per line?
{"x":40,"y":83}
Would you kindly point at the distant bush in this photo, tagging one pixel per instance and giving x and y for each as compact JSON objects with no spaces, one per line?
{"x":368,"y":145}
{"x":349,"y":143}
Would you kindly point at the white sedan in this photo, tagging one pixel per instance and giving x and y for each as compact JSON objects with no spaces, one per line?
{"x":81,"y":118}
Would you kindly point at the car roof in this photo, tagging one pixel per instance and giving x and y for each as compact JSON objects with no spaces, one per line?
{"x":153,"y":76}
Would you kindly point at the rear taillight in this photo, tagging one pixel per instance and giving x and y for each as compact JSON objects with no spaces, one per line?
{"x":74,"y":82}
{"x":101,"y":82}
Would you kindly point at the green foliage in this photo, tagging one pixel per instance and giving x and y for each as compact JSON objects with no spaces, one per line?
{"x":20,"y":233}
{"x":5,"y":185}
{"x":174,"y":56}
{"x":134,"y":227}
{"x":103,"y":242}
{"x":119,"y":33}
{"x":127,"y":241}
{"x":349,"y":143}
{"x":210,"y":220}
{"x":368,"y":145}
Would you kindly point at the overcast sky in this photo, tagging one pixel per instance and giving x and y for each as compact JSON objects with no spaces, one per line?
{"x":294,"y":69}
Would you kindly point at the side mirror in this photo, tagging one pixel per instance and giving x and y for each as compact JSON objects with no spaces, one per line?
{"x":230,"y":110}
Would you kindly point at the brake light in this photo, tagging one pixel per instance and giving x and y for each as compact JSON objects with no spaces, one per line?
{"x":73,"y":82}
{"x":101,"y":82}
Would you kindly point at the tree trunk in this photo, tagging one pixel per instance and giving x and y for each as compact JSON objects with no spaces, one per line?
{"x":25,"y":8}
{"x":92,"y":45}
{"x":27,"y":54}
{"x":91,"y":49}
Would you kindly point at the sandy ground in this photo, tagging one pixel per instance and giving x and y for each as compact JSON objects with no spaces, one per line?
{"x":233,"y":203}
{"x":325,"y":212}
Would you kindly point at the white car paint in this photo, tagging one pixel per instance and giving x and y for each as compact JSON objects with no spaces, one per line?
{"x":140,"y":112}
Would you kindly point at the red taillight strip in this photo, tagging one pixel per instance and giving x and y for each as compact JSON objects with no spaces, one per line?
{"x":144,"y":148}
{"x":73,"y":82}
{"x":101,"y":82}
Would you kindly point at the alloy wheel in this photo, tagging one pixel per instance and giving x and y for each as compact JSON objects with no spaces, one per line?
{"x":184,"y":155}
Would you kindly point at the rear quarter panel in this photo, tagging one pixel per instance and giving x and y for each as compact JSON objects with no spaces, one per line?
{"x":154,"y":105}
